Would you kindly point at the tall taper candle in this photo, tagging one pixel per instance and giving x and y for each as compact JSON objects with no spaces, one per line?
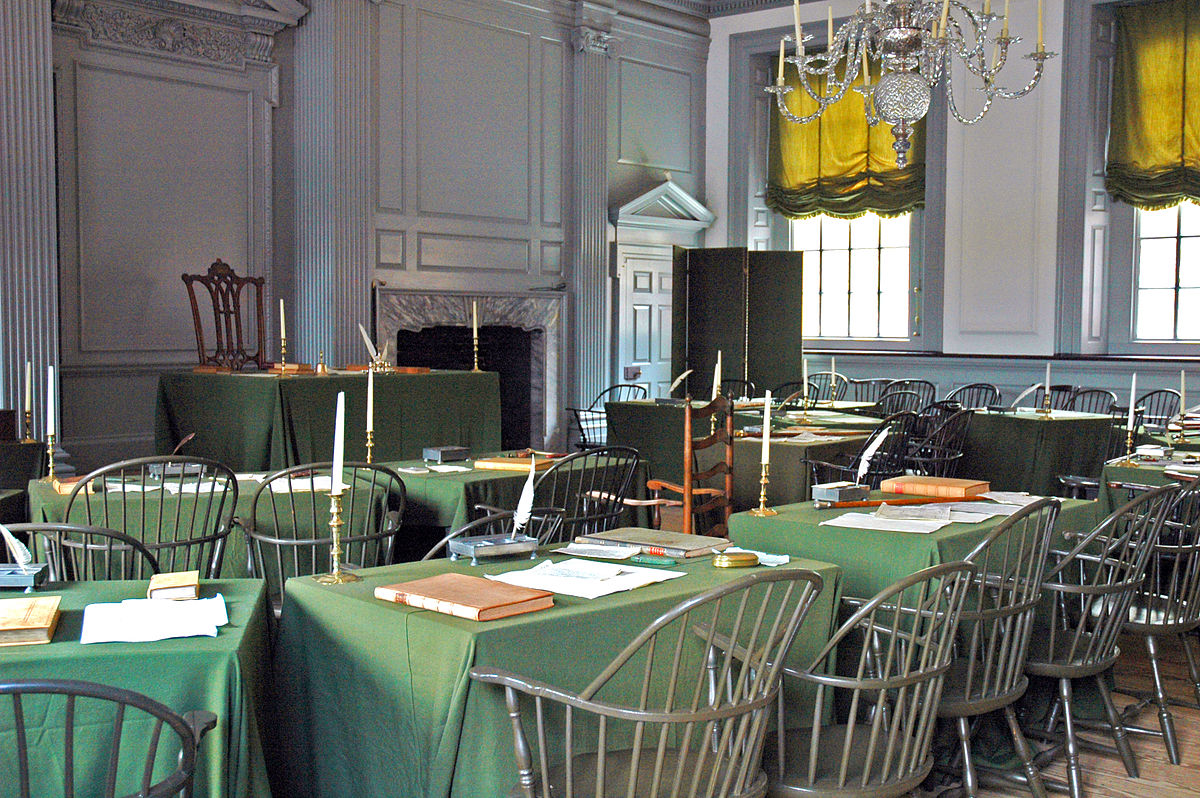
{"x":1004,"y":32}
{"x":779,"y":76}
{"x":1041,"y":29}
{"x":29,"y":385}
{"x":282,"y":323}
{"x":799,"y":28}
{"x":339,"y":445}
{"x":717,"y":377}
{"x":1047,"y":383}
{"x":804,"y":376}
{"x":941,"y":31}
{"x":829,"y":41}
{"x":1182,"y":394}
{"x":50,"y":414}
{"x":766,"y":448}
{"x":370,"y":400}
{"x":474,"y":319}
{"x":1132,"y":395}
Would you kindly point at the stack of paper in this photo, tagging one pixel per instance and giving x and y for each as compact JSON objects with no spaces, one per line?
{"x":584,"y":578}
{"x":870,"y":521}
{"x":1010,"y":497}
{"x":323,"y":483}
{"x":144,"y":620}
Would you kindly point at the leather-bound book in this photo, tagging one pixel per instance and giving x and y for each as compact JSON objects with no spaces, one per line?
{"x":177,"y":586}
{"x":27,"y":620}
{"x":465,"y":596}
{"x":943,"y":487}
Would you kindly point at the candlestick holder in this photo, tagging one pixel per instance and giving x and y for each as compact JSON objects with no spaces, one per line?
{"x":1128,"y":462}
{"x":475,"y":351}
{"x":336,"y":576}
{"x":370,"y":444}
{"x":283,"y":355}
{"x":28,"y":428}
{"x":763,"y":510}
{"x":1044,"y":411}
{"x":50,"y":456}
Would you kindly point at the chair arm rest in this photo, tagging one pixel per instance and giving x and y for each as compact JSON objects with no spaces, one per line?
{"x":652,"y":502}
{"x":201,"y":722}
{"x":662,"y":484}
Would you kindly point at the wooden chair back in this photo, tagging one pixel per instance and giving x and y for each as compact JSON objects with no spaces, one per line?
{"x":1093,"y":400}
{"x":925,"y":389}
{"x":869,"y":390}
{"x":288,"y":528}
{"x":892,"y":402}
{"x":675,"y":713}
{"x":77,"y":553}
{"x":939,"y":453}
{"x":827,"y":386}
{"x":1060,"y":396}
{"x":589,"y":486}
{"x":892,"y":657}
{"x":135,"y":745}
{"x":1158,"y":408}
{"x":975,"y":396}
{"x":591,"y":422}
{"x":735,"y":389}
{"x":227,"y":293}
{"x":545,"y":524}
{"x":180,"y":508}
{"x":1169,"y":598}
{"x":714,"y":424}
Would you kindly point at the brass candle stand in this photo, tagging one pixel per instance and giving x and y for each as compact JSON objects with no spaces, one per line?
{"x":763,"y":510}
{"x":50,"y":456}
{"x":28,"y":428}
{"x":336,"y":576}
{"x":370,"y":445}
{"x":1045,"y":411}
{"x":475,"y":350}
{"x":283,"y":355}
{"x":1128,"y":462}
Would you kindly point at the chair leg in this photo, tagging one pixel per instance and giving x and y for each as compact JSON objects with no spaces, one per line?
{"x":970,"y":784}
{"x":1120,"y":737}
{"x":1193,"y":671}
{"x":1074,"y":775}
{"x":1165,"y":719}
{"x":1032,"y":774}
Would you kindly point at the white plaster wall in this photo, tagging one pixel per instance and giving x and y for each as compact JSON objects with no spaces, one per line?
{"x":1001,"y":192}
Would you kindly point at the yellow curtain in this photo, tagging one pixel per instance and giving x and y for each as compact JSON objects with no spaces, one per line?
{"x":838,"y":164}
{"x":1154,"y":128}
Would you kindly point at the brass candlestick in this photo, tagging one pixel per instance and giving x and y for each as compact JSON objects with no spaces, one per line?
{"x":1044,"y":411}
{"x":1128,"y":462}
{"x":28,"y":427}
{"x":475,"y":350}
{"x":282,"y":355}
{"x":50,"y":456}
{"x":763,"y":510}
{"x":370,"y":444}
{"x":336,"y":576}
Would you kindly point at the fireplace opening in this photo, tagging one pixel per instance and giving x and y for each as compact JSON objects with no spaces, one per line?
{"x":503,"y":349}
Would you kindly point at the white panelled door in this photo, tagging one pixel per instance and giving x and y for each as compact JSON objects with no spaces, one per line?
{"x":644,"y":316}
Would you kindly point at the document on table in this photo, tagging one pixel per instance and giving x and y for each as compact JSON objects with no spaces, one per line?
{"x":318,"y":484}
{"x":599,"y":552}
{"x":146,"y":620}
{"x":932,"y":512}
{"x":585,"y":578}
{"x":764,"y":558}
{"x":448,"y":469}
{"x":870,"y":521}
{"x":1010,"y":497}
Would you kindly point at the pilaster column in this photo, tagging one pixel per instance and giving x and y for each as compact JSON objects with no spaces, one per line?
{"x":589,"y":276}
{"x":28,"y":214}
{"x":334,"y":224}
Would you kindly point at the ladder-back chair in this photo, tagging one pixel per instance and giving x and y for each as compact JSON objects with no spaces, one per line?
{"x":706,"y":507}
{"x":227,"y":293}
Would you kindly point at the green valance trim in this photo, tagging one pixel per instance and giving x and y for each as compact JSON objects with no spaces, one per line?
{"x":1154,"y":125}
{"x":838,"y":164}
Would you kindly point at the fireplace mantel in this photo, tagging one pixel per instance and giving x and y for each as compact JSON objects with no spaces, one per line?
{"x":399,"y":309}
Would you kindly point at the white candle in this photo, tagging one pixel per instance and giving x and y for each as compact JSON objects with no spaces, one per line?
{"x":29,"y":386}
{"x":282,"y":323}
{"x":987,"y":6}
{"x":1041,"y":29}
{"x":370,"y":401}
{"x":804,"y":376}
{"x":50,"y":414}
{"x":829,"y":43}
{"x":1047,"y":383}
{"x":339,"y":445}
{"x":1182,"y":394}
{"x":1004,"y":32}
{"x":717,"y":377}
{"x":474,"y":319}
{"x":1132,"y":395}
{"x":866,"y":68}
{"x":941,"y":32}
{"x":779,"y":76}
{"x":799,"y":28}
{"x":766,"y":449}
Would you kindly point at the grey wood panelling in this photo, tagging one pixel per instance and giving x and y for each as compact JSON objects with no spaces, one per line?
{"x":553,"y":78}
{"x":389,"y":101}
{"x":437,"y":252}
{"x":655,"y":112}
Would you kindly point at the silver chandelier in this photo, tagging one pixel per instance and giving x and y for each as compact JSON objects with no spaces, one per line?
{"x":915,"y":43}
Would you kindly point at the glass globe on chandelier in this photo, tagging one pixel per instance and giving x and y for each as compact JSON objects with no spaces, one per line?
{"x":915,"y":43}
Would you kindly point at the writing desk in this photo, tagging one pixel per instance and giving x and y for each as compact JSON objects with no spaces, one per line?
{"x":381,"y":703}
{"x":228,"y":674}
{"x":263,"y":422}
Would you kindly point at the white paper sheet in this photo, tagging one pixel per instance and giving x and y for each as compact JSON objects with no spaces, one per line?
{"x":869,"y":521}
{"x":933,"y":512}
{"x":448,"y":469}
{"x":146,"y":620}
{"x":988,"y":509}
{"x":764,"y":558}
{"x":413,"y":470}
{"x":1010,"y":497}
{"x":598,"y":552}
{"x":585,"y":579}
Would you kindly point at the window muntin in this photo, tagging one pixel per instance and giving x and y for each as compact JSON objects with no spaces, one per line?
{"x":1167,"y":286}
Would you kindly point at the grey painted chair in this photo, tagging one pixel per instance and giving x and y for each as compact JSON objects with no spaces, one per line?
{"x":1089,"y":591}
{"x":828,"y":385}
{"x":1158,"y":408}
{"x":988,"y":673}
{"x":897,"y":401}
{"x":868,"y":390}
{"x":141,"y":746}
{"x":180,"y":508}
{"x":939,"y":453}
{"x":672,"y":714}
{"x":591,"y":422}
{"x":78,"y":553}
{"x":976,"y":395}
{"x":735,"y":389}
{"x":888,"y":459}
{"x":893,"y":656}
{"x":589,"y":486}
{"x":923,"y":388}
{"x":1092,"y":400}
{"x":545,"y":524}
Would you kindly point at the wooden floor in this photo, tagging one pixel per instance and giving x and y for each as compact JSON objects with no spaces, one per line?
{"x":1104,"y":777}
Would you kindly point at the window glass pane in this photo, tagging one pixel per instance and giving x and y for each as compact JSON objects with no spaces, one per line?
{"x":1156,"y":224}
{"x":1189,"y":314}
{"x":806,"y":233}
{"x":835,"y":233}
{"x":1189,"y":264}
{"x":1155,"y":313}
{"x":864,"y":232}
{"x":1156,"y":263}
{"x":864,"y":292}
{"x":1189,"y":219}
{"x":894,"y":232}
{"x":810,"y":303}
{"x":893,"y":277}
{"x":893,"y":315}
{"x":835,"y":285}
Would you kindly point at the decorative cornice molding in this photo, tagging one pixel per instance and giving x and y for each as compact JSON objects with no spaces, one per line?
{"x":590,"y":40}
{"x":724,"y":8}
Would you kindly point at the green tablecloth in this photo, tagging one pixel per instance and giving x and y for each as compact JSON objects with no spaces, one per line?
{"x":1145,"y":473}
{"x":227,"y":674}
{"x":260,"y":422}
{"x":1021,"y":451}
{"x":872,"y":559}
{"x":381,"y":701}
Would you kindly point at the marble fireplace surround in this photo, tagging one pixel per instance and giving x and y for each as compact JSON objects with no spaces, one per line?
{"x":399,"y":309}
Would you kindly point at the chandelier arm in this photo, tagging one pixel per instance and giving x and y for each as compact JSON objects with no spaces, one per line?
{"x":786,"y":112}
{"x":1033,"y":81}
{"x":953,"y":106}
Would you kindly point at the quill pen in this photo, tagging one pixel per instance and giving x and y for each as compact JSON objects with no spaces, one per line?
{"x":525,"y":503}
{"x":367,"y":341}
{"x":1025,"y":393}
{"x":865,"y":464}
{"x":20,"y":554}
{"x":678,"y":380}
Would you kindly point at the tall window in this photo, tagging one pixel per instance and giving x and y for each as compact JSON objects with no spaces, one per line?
{"x":856,"y":275}
{"x":1167,"y":301}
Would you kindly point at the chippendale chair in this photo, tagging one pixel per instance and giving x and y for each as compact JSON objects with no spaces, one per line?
{"x":225,"y":290}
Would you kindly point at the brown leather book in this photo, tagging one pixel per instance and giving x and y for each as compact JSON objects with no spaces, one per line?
{"x":178,"y":586}
{"x":465,"y":596}
{"x":28,"y":620}
{"x":945,"y":487}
